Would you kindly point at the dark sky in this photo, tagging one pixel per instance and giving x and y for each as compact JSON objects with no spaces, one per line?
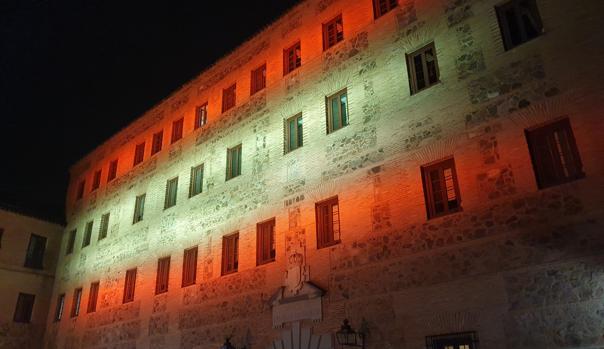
{"x":72,"y":73}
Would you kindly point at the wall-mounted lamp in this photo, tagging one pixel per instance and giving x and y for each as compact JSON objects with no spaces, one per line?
{"x":347,"y":337}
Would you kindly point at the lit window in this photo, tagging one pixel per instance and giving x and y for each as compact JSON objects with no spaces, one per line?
{"x":230,"y":254}
{"x":201,"y":116}
{"x":293,"y":133}
{"x":171,"y":192}
{"x":265,"y":242}
{"x":93,"y":297}
{"x":87,"y":234}
{"x":139,"y":154}
{"x":233,"y":162}
{"x":24,"y":308}
{"x":177,"y":128}
{"x":258,"y":79}
{"x":422,"y":67}
{"x":441,"y":190}
{"x":229,"y":97}
{"x":189,"y":267}
{"x":327,"y":215}
{"x":381,"y":7}
{"x":157,"y":143}
{"x":139,"y":208}
{"x":333,"y":32}
{"x":112,"y":170}
{"x":104,"y":227}
{"x":163,"y":275}
{"x":75,"y":306}
{"x":196,"y":183}
{"x":519,"y":22}
{"x":292,"y":58}
{"x":466,"y":340}
{"x":337,"y":111}
{"x":34,"y":257}
{"x":129,"y":284}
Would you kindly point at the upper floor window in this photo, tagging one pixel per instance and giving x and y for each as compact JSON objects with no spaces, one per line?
{"x":381,"y":7}
{"x":112,"y":170}
{"x":422,"y":67}
{"x":337,"y":111}
{"x":333,"y":32}
{"x":87,"y":234}
{"x":201,"y":116}
{"x":71,"y":241}
{"x":519,"y":22}
{"x":93,"y":297}
{"x":139,"y":154}
{"x":196,"y":183}
{"x":163,"y":275}
{"x":80,"y":193}
{"x":466,"y":340}
{"x":189,"y":267}
{"x":327,"y":215}
{"x":34,"y":258}
{"x":292,"y":58}
{"x":229,"y":96}
{"x":157,"y":142}
{"x":96,"y":180}
{"x":171,"y":192}
{"x":104,"y":227}
{"x":233,"y":162}
{"x":258,"y":79}
{"x":60,"y":306}
{"x":293,"y":133}
{"x":129,"y":284}
{"x":177,"y":128}
{"x":24,"y":307}
{"x":139,"y":208}
{"x":75,"y":306}
{"x":230,"y":253}
{"x":265,"y":242}
{"x":554,"y":153}
{"x":441,"y":190}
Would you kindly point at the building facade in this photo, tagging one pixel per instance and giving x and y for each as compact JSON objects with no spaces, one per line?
{"x":29,"y":249}
{"x":430,"y":170}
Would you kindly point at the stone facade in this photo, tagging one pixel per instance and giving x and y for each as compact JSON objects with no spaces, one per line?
{"x":522,"y":267}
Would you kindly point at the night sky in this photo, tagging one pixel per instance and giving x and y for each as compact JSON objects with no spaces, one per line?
{"x":73,"y":73}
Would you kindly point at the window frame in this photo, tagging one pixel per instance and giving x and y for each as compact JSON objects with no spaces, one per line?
{"x":456,"y":340}
{"x":157,"y":142}
{"x":189,"y":266}
{"x":411,"y":70}
{"x":327,"y":35}
{"x":230,"y":174}
{"x":505,"y":25}
{"x":377,"y":10}
{"x":344,"y":120}
{"x":262,"y":242}
{"x":87,"y":234}
{"x":35,"y":259}
{"x":230,"y":254}
{"x":104,"y":226}
{"x":177,"y":130}
{"x":429,"y":195}
{"x":60,"y":307}
{"x":139,"y":154}
{"x":80,"y":190}
{"x":258,"y":79}
{"x":96,"y":180}
{"x":129,"y":286}
{"x":297,"y":58}
{"x":229,"y":97}
{"x":24,"y":308}
{"x":333,"y":236}
{"x":201,"y":116}
{"x":139,"y":208}
{"x":299,"y":136}
{"x":196,"y":170}
{"x":93,"y":296}
{"x":112,"y":174}
{"x":171,"y":193}
{"x":75,"y":304}
{"x":71,"y":242}
{"x":162,"y":278}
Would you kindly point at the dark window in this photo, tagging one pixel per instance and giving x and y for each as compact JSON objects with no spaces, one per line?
{"x":104,"y":227}
{"x":381,"y":7}
{"x":24,"y":307}
{"x":519,"y":22}
{"x":80,"y":193}
{"x":292,"y":58}
{"x":158,"y":142}
{"x":327,"y":215}
{"x":196,"y":182}
{"x":189,"y":267}
{"x":34,"y":257}
{"x":93,"y":297}
{"x":422,"y":67}
{"x":60,"y":306}
{"x":75,"y":306}
{"x":265,"y":242}
{"x":1,"y":235}
{"x":129,"y":285}
{"x":96,"y":180}
{"x":177,"y":127}
{"x":171,"y":192}
{"x":201,"y":116}
{"x":71,"y":241}
{"x":441,"y":190}
{"x":467,"y":340}
{"x":554,"y":154}
{"x":230,"y":253}
{"x":163,"y":275}
{"x":337,"y":111}
{"x":87,"y":234}
{"x":139,"y":208}
{"x":229,"y":97}
{"x":233,"y":162}
{"x":293,"y":133}
{"x":112,"y":170}
{"x":258,"y":79}
{"x":333,"y":32}
{"x":139,"y":154}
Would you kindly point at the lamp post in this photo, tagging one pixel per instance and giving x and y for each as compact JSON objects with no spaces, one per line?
{"x":348,"y":337}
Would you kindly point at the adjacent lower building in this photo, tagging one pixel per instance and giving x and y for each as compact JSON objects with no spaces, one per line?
{"x":430,"y":171}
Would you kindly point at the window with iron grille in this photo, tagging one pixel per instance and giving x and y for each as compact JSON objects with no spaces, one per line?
{"x":24,"y":308}
{"x":60,"y":307}
{"x":265,"y":242}
{"x":327,"y":215}
{"x":422,"y":67}
{"x":381,"y":7}
{"x":229,"y":97}
{"x":293,"y":133}
{"x":189,"y":267}
{"x":93,"y":297}
{"x":139,"y":208}
{"x":34,"y":258}
{"x":157,"y":142}
{"x":333,"y":32}
{"x":554,"y":153}
{"x":139,"y":154}
{"x":171,"y":192}
{"x":87,"y":234}
{"x":177,"y":129}
{"x":258,"y":79}
{"x":441,"y":191}
{"x":96,"y":180}
{"x":201,"y":116}
{"x":129,"y":284}
{"x":233,"y":162}
{"x":104,"y":227}
{"x":466,"y":340}
{"x":80,"y":193}
{"x":112,"y":170}
{"x":163,"y":275}
{"x":337,"y":111}
{"x":71,"y":241}
{"x":230,"y":253}
{"x":292,"y":58}
{"x":196,"y":182}
{"x":519,"y":22}
{"x":75,"y":305}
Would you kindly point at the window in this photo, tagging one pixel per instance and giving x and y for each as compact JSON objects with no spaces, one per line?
{"x":519,"y":22}
{"x":24,"y":307}
{"x":177,"y":127}
{"x":229,"y":97}
{"x":139,"y":154}
{"x":422,"y":67}
{"x":233,"y":162}
{"x":467,"y":340}
{"x":157,"y":143}
{"x":87,"y":234}
{"x":258,"y":79}
{"x":80,"y":193}
{"x":34,"y":257}
{"x":60,"y":306}
{"x":71,"y":241}
{"x":112,"y":170}
{"x":381,"y":7}
{"x":333,"y":32}
{"x":171,"y":192}
{"x":293,"y":133}
{"x":196,"y":183}
{"x":139,"y":208}
{"x":1,"y":235}
{"x":189,"y":267}
{"x":337,"y":111}
{"x":75,"y":306}
{"x":163,"y":275}
{"x":230,"y":253}
{"x":292,"y":58}
{"x":129,"y":284}
{"x":441,"y":190}
{"x":104,"y":227}
{"x":96,"y":180}
{"x":327,"y":214}
{"x":265,"y":242}
{"x":554,"y":154}
{"x":93,"y":297}
{"x":201,"y":116}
